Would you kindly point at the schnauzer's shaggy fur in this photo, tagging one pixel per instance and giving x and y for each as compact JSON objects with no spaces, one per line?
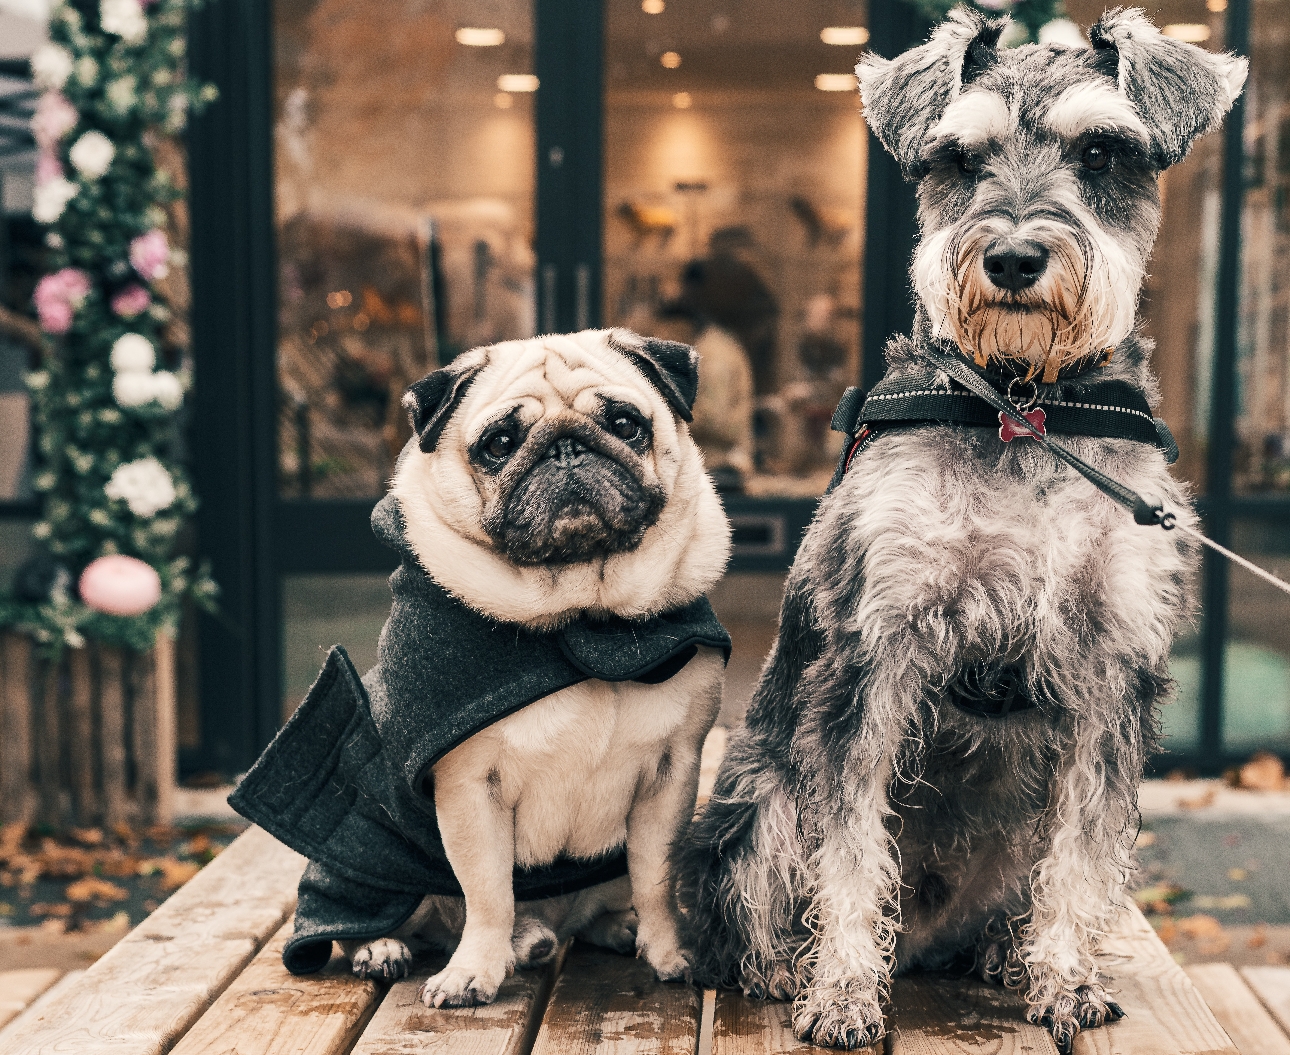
{"x":865,"y":819}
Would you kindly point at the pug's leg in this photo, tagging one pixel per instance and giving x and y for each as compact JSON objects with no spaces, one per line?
{"x":478,"y":835}
{"x":390,"y":957}
{"x":659,"y":814}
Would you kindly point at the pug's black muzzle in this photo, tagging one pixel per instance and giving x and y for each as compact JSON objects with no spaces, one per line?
{"x":577,"y":496}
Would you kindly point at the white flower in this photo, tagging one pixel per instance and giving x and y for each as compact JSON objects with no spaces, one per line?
{"x":51,"y":65}
{"x":92,"y":154}
{"x":51,"y":198}
{"x":167,"y":390}
{"x":38,"y":380}
{"x":121,"y":94}
{"x":125,"y":18}
{"x":132,"y":353}
{"x":87,"y":71}
{"x":144,"y":485}
{"x":133,"y":389}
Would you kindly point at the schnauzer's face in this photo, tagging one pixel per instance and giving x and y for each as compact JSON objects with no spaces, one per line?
{"x":1037,"y":171}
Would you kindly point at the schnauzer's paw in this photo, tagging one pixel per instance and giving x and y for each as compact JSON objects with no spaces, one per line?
{"x":999,"y":963}
{"x":838,"y":1018}
{"x":612,"y":930}
{"x":779,"y":983}
{"x":1093,"y":1008}
{"x":463,"y":986}
{"x":386,"y":958}
{"x":533,"y":943}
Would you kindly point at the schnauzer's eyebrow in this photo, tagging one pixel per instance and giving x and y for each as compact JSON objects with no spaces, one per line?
{"x":1088,"y":107}
{"x":974,"y":118}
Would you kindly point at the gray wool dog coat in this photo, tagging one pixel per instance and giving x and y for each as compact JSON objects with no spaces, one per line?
{"x":348,"y":782}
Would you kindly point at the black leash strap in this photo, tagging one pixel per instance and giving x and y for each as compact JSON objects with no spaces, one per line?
{"x":1146,"y":513}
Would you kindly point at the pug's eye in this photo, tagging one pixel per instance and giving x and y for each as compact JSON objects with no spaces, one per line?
{"x":499,"y":446}
{"x":1096,"y":157}
{"x":625,"y":428}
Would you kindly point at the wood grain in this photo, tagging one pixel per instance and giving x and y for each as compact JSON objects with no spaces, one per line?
{"x":149,"y":989}
{"x":1165,"y":1015}
{"x":1238,"y":1010}
{"x":613,"y":1005}
{"x":1272,"y":986}
{"x":112,"y":730}
{"x":37,"y":1006}
{"x":167,"y":720}
{"x":143,"y":731}
{"x":403,"y":1025}
{"x":755,"y":1027}
{"x":937,"y":1014}
{"x":269,"y":1011}
{"x":49,"y":743}
{"x":15,"y":727}
{"x":19,"y":988}
{"x":80,"y":739}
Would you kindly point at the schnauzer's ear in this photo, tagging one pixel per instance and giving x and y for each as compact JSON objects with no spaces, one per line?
{"x":1180,"y":91}
{"x":431,"y":401}
{"x":905,"y":96}
{"x":671,"y":367}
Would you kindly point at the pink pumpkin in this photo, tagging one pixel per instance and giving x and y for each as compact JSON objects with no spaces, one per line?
{"x":120,"y":585}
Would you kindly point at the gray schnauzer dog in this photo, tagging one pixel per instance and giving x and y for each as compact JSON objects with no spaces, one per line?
{"x":941,"y":760}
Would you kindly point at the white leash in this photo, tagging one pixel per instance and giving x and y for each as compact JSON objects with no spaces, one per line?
{"x":1235,"y":558}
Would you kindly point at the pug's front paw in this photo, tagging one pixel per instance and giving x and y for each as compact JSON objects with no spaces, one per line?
{"x":669,"y":962}
{"x":463,"y":986}
{"x":386,"y":958}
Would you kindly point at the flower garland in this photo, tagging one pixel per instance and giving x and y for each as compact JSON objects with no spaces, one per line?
{"x":108,"y":465}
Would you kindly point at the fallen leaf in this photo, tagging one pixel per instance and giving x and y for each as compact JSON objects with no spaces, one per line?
{"x":1145,"y":839}
{"x":93,"y":889}
{"x":1176,"y":776}
{"x":1226,"y":902}
{"x":1200,"y":801}
{"x":1232,"y":841}
{"x":174,"y":873}
{"x":87,"y":836}
{"x":1160,"y":898}
{"x":1237,"y":875}
{"x":1263,"y":772}
{"x":1167,"y":932}
{"x":1258,"y":939}
{"x":40,"y":908}
{"x":1200,"y":926}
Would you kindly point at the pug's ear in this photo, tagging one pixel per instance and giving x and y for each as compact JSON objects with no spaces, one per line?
{"x":671,"y":367}
{"x":1179,"y":90}
{"x":431,"y":401}
{"x":905,"y":97}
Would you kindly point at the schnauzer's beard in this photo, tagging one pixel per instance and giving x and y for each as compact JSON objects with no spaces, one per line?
{"x":1081,"y":307}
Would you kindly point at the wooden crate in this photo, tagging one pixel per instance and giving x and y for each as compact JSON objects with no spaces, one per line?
{"x":88,"y":740}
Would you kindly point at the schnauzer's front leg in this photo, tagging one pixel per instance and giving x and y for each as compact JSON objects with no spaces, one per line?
{"x":856,"y":882}
{"x":1076,"y":893}
{"x":479,"y":838}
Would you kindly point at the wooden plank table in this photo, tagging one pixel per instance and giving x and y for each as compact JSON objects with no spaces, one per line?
{"x":203,"y":976}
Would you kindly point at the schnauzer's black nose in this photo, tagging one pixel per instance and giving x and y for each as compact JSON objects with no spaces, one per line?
{"x":566,"y":449}
{"x":1015,"y":265}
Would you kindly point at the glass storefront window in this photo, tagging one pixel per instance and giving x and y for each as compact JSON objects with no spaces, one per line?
{"x":404,"y":169}
{"x":734,"y":200}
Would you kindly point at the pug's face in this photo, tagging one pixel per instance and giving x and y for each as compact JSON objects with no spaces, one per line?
{"x":558,"y":450}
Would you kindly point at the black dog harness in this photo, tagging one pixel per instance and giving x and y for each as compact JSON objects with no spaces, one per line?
{"x":1109,"y":409}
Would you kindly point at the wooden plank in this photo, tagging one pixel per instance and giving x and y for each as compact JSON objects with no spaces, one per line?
{"x":112,"y":729}
{"x":1272,"y":986}
{"x":80,"y":741}
{"x":143,"y":727}
{"x":37,"y":1006}
{"x":269,"y":1011}
{"x":613,"y":1005}
{"x":937,"y":1014}
{"x":403,"y":1025}
{"x":1164,"y":1014}
{"x":155,"y":983}
{"x":166,"y":736}
{"x":1238,"y":1010}
{"x":49,"y":744}
{"x":755,"y":1027}
{"x":19,"y":988}
{"x":15,"y":727}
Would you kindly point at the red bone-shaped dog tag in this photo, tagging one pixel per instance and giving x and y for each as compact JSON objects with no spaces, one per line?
{"x":1010,"y":430}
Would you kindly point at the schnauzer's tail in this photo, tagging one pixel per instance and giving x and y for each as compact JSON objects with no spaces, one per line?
{"x":740,"y":875}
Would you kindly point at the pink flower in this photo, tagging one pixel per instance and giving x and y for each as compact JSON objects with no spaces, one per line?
{"x":48,"y":167}
{"x":53,"y":119}
{"x":150,"y":255}
{"x":58,"y":296}
{"x":120,"y":585}
{"x":131,"y":301}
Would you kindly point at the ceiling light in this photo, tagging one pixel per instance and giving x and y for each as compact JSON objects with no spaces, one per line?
{"x":836,"y":82}
{"x":670,"y":60}
{"x":1192,"y":32}
{"x":682,"y":100}
{"x":517,"y":82}
{"x":653,"y":7}
{"x":849,"y":36}
{"x":475,"y":37}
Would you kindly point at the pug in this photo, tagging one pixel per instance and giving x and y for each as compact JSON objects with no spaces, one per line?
{"x":518,"y":764}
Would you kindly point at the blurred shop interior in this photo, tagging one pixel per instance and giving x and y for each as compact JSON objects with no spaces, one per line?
{"x":382,"y":187}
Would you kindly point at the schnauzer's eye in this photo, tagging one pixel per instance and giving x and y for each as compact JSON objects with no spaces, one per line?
{"x":1096,"y":157}
{"x":500,"y":445}
{"x":968,"y":165}
{"x":625,"y":428}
